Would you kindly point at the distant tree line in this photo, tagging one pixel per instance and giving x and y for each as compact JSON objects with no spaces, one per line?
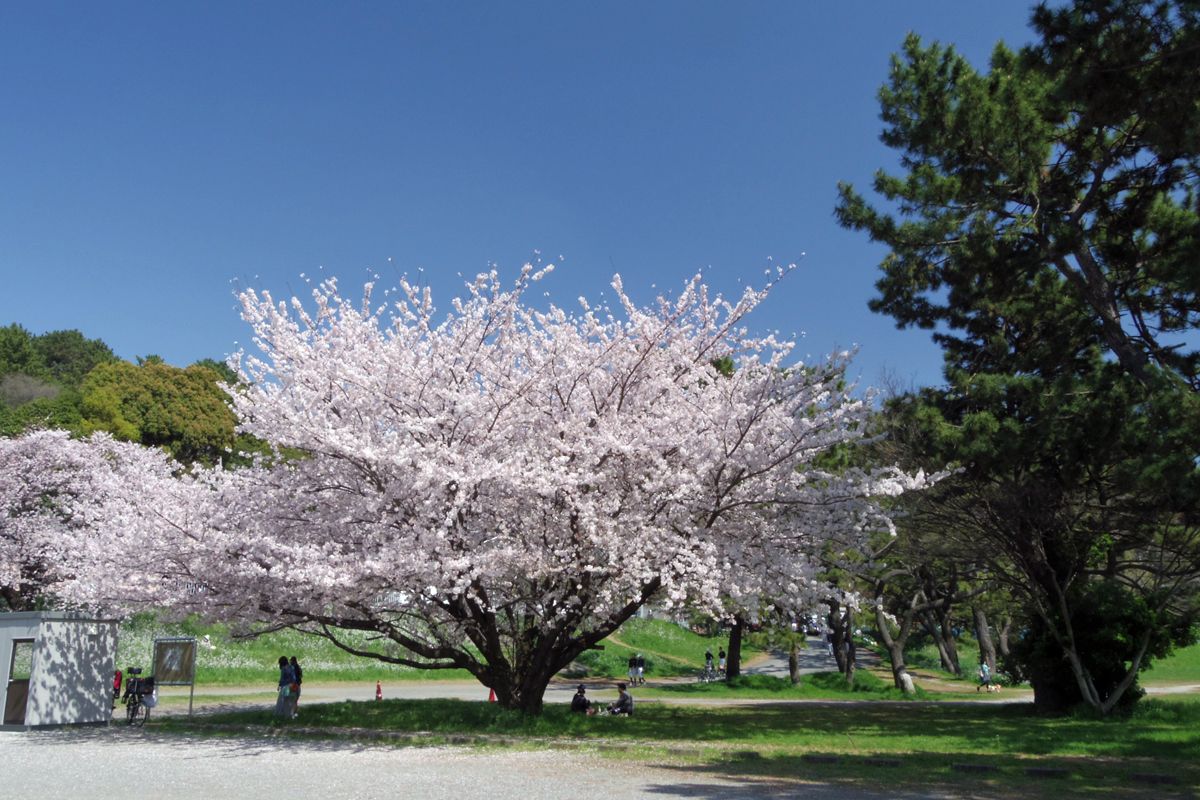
{"x":64,"y":380}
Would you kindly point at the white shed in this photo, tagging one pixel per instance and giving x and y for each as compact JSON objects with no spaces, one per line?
{"x":57,"y":668}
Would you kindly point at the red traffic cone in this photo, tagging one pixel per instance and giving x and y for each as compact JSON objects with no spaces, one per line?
{"x":491,"y":695}
{"x":378,"y":691}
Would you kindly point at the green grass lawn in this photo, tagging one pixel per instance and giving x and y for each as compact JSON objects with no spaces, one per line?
{"x":1182,"y":666}
{"x":818,"y":686}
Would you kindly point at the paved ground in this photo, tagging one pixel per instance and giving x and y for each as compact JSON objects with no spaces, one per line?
{"x":122,"y":764}
{"x":119,"y":763}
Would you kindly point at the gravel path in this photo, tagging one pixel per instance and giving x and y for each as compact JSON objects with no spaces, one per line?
{"x":121,"y":764}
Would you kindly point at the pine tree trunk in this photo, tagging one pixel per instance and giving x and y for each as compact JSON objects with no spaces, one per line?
{"x":987,"y":649}
{"x":935,"y":632}
{"x":1003,"y":636}
{"x":895,"y":645}
{"x":951,"y":644}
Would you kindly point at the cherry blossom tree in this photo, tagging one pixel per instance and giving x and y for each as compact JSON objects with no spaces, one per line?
{"x":61,"y":502}
{"x":500,"y":489}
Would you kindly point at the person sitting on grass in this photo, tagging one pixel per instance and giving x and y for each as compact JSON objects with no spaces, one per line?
{"x":624,"y":704}
{"x":580,"y":704}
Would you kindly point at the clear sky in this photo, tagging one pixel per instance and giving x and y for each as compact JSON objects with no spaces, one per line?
{"x":156,"y":155}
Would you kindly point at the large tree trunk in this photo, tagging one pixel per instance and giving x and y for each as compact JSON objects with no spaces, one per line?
{"x":733,"y":663}
{"x":895,"y":648}
{"x":987,"y":649}
{"x":934,"y":628}
{"x":837,"y":627}
{"x":1003,"y":636}
{"x":794,"y":660}
{"x":851,"y":648}
{"x":515,"y":655}
{"x":951,"y":645}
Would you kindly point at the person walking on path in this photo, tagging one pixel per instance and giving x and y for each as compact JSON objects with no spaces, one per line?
{"x":985,"y":677}
{"x":283,"y":705}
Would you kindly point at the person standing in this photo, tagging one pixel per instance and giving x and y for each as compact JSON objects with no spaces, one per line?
{"x":640,"y":668}
{"x":721,"y":660}
{"x":633,"y":668}
{"x":299,"y":675}
{"x":283,"y":706}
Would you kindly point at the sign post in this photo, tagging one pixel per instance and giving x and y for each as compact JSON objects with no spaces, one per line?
{"x":175,"y":663}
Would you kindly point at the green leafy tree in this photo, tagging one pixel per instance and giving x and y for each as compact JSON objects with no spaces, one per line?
{"x":184,"y":411}
{"x":1046,"y":227}
{"x":1070,"y":166}
{"x":61,"y":411}
{"x":68,"y":356}
{"x":221,"y":368}
{"x":18,"y":354}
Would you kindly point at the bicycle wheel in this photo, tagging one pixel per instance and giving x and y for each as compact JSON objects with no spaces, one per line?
{"x":136,"y":712}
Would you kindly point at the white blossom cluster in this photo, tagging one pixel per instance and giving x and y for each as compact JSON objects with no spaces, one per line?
{"x":62,"y":502}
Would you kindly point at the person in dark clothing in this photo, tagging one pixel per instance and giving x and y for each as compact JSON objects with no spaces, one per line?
{"x":299,"y":675}
{"x":624,"y":704}
{"x":283,"y":703}
{"x":580,"y":704}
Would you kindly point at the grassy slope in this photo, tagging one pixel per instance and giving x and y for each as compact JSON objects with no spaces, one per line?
{"x":669,"y":650}
{"x":1182,"y":666}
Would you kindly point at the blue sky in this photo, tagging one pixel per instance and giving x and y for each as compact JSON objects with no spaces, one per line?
{"x":155,"y":156}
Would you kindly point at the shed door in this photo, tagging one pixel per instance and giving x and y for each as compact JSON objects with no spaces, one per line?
{"x":18,"y":682}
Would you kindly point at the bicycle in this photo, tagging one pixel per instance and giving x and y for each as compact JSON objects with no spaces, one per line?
{"x":708,"y":674}
{"x":139,"y":698}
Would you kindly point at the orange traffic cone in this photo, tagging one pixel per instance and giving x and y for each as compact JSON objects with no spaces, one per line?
{"x":491,"y":695}
{"x":378,"y":691}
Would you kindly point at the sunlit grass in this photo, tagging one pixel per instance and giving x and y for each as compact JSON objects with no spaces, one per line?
{"x":669,"y":650}
{"x":1155,"y":731}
